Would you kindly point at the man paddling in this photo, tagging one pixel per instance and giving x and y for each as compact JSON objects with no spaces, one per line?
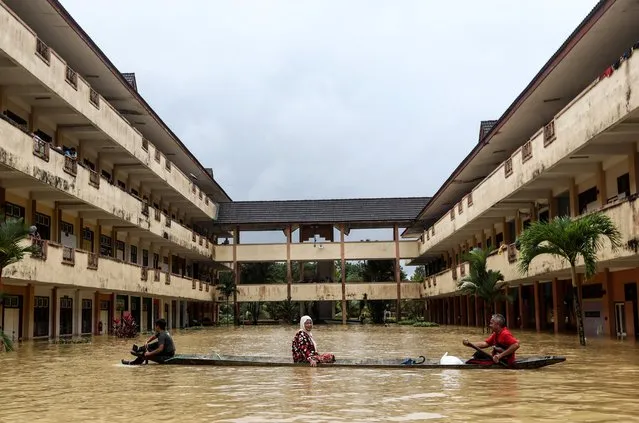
{"x":159,"y":351}
{"x":503,"y":342}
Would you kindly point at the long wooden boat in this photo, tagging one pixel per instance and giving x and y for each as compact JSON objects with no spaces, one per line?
{"x":420,"y":363}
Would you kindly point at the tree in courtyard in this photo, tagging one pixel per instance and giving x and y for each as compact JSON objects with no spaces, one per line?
{"x":227,"y":287}
{"x":482,"y":282}
{"x":12,"y":249}
{"x":570,"y":240}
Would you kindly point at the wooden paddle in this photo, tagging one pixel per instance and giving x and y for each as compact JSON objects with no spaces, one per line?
{"x":484,"y":353}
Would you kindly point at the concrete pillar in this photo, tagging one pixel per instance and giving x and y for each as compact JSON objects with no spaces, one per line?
{"x":55,"y":312}
{"x":398,"y":279}
{"x":518,"y":224}
{"x":77,"y":313}
{"x":506,"y":231}
{"x":608,"y":303}
{"x":493,"y":237}
{"x":28,"y":307}
{"x":289,"y":270}
{"x":574,"y":198}
{"x":552,"y":207}
{"x":522,"y":308}
{"x":633,"y":169}
{"x":556,"y":301}
{"x":537,"y":308}
{"x":55,"y":222}
{"x":96,"y":311}
{"x":343,"y":273}
{"x":602,"y":196}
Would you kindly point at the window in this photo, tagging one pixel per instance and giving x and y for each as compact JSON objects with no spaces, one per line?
{"x":43,"y":136}
{"x":623,"y":184}
{"x":587,"y":197}
{"x":17,"y":119}
{"x":89,"y":164}
{"x":66,"y":228}
{"x":106,"y":246}
{"x":87,"y":239}
{"x":134,"y":254}
{"x":13,"y":210}
{"x":156,"y":261}
{"x":106,"y":175}
{"x":43,"y":223}
{"x":145,"y":258}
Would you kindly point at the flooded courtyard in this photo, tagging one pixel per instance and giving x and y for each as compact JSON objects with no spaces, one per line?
{"x":85,"y":382}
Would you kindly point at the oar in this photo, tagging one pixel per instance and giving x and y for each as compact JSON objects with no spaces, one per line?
{"x":484,"y":353}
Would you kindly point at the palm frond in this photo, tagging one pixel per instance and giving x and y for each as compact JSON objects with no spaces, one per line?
{"x":5,"y":342}
{"x":480,"y":281}
{"x":569,"y":238}
{"x":12,"y":248}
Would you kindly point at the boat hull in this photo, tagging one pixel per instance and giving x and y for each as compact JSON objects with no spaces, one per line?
{"x":256,"y":361}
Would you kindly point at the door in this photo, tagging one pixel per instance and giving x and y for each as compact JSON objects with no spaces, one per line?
{"x":104,"y":319}
{"x":620,"y":320}
{"x":12,"y":317}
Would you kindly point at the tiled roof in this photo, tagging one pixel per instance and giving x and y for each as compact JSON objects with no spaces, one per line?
{"x":373,"y":210}
{"x":130,"y":78}
{"x":485,"y":126}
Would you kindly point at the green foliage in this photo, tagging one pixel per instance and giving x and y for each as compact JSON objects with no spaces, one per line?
{"x":419,"y":274}
{"x":485,"y":284}
{"x":567,"y":238}
{"x":286,"y":311}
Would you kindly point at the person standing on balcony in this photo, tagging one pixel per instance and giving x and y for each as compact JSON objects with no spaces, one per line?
{"x":503,"y":342}
{"x":304,"y":347}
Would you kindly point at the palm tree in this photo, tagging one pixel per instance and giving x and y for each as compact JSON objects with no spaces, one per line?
{"x":569,"y":239}
{"x":227,"y":287}
{"x":12,"y":249}
{"x":482,"y":282}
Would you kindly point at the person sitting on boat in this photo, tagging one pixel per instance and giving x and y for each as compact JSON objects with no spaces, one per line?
{"x":503,"y":342}
{"x":159,"y":351}
{"x":304,"y":347}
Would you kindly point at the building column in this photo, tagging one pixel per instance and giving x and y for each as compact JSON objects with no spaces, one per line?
{"x":506,"y":231}
{"x":522,"y":308}
{"x":609,"y":304}
{"x":236,"y":271}
{"x":537,"y":308}
{"x":398,"y":278}
{"x":493,"y":237}
{"x":455,"y":299}
{"x":28,"y":314}
{"x":510,"y":312}
{"x":633,"y":169}
{"x":289,"y":271}
{"x":77,"y":313}
{"x":555,"y":304}
{"x":343,"y":273}
{"x":602,"y":197}
{"x":96,"y":312}
{"x":55,"y":312}
{"x":574,"y":198}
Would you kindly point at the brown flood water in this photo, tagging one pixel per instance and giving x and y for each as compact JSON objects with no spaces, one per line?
{"x":85,"y":383}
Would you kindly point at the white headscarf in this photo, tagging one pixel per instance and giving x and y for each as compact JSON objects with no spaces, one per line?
{"x":303,"y":329}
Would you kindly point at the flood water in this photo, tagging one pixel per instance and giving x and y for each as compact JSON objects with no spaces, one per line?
{"x":84,"y":382}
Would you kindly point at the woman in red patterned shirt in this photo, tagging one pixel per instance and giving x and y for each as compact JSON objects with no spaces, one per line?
{"x":304,"y":347}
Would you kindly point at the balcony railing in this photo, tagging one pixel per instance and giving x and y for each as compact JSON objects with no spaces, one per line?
{"x":167,"y":221}
{"x":156,"y":275}
{"x":158,"y":155}
{"x":508,"y":167}
{"x":144,"y":273}
{"x":92,"y":262}
{"x":454,"y":271}
{"x":549,"y":133}
{"x":193,"y":236}
{"x":462,"y":270}
{"x":41,"y":148}
{"x":193,"y":282}
{"x":68,"y":255}
{"x":200,"y":285}
{"x":94,"y":98}
{"x":145,"y":144}
{"x":526,"y":152}
{"x":145,"y":208}
{"x":157,"y":214}
{"x":43,"y":51}
{"x":70,"y":165}
{"x":94,"y":178}
{"x":71,"y":77}
{"x":40,"y":248}
{"x":167,"y":278}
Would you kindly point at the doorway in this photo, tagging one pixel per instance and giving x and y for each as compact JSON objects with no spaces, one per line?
{"x":12,"y":316}
{"x":630,"y":294}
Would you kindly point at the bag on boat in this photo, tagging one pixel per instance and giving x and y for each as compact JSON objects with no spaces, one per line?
{"x":450,"y":360}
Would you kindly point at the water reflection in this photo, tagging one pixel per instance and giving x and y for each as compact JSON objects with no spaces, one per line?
{"x":79,"y":383}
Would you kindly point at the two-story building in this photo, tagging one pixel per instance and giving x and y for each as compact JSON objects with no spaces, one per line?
{"x":566,"y":146}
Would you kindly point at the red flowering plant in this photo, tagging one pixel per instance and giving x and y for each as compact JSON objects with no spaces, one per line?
{"x":125,"y":327}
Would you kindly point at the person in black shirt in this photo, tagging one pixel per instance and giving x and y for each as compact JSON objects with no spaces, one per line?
{"x":159,"y":351}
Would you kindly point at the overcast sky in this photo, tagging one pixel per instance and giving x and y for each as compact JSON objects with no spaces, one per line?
{"x":298,"y":99}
